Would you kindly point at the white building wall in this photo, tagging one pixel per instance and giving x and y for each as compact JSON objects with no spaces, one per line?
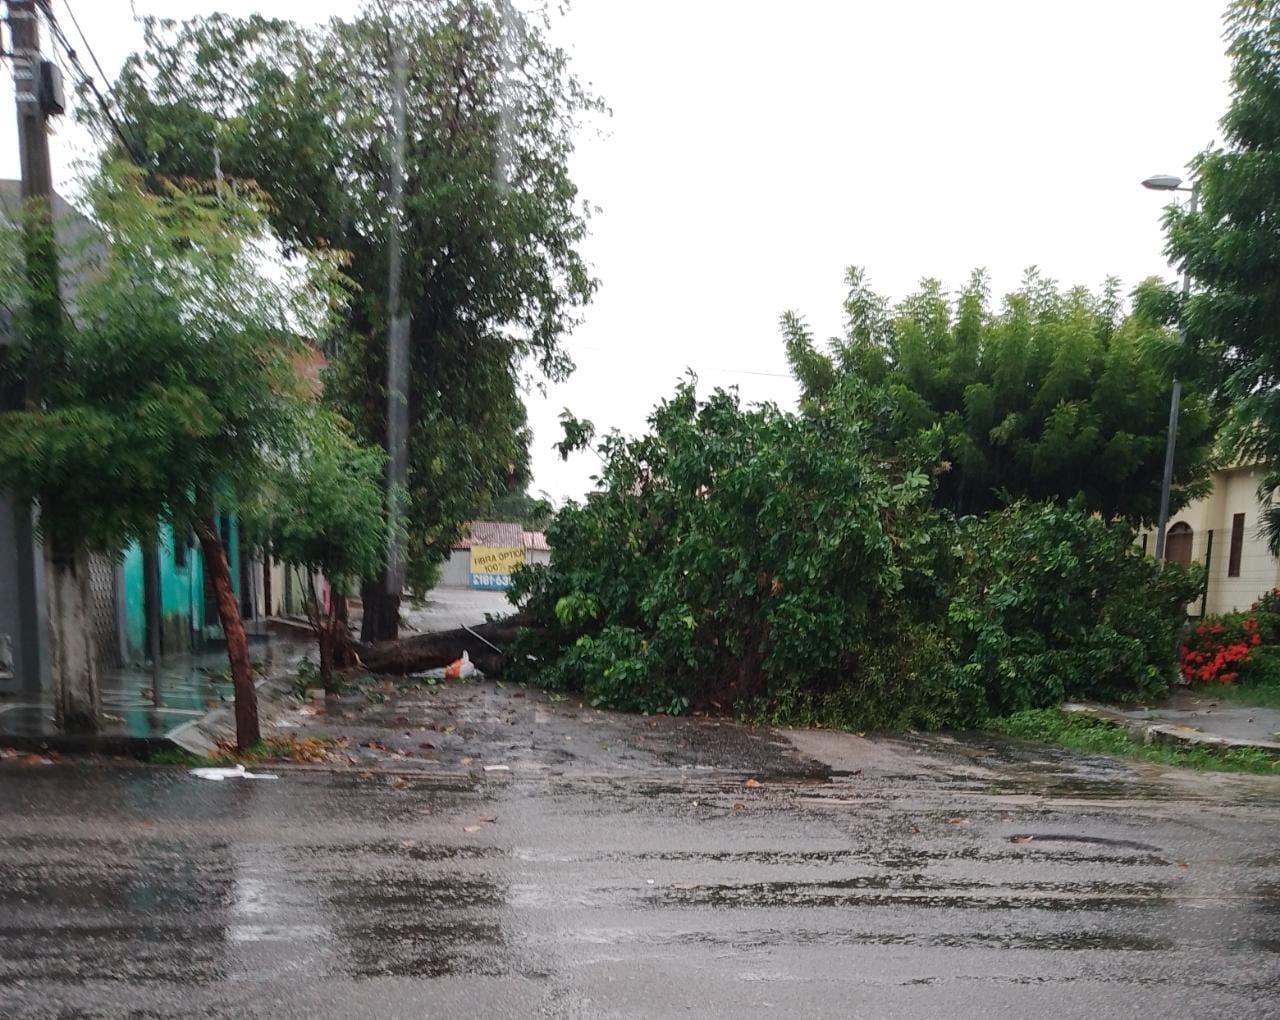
{"x":455,"y":572}
{"x":1234,"y":492}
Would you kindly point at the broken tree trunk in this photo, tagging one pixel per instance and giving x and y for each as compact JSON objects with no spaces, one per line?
{"x":431,"y":651}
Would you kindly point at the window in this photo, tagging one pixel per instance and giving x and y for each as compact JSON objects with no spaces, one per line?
{"x":1237,"y":545}
{"x":179,"y":552}
{"x":1177,"y":544}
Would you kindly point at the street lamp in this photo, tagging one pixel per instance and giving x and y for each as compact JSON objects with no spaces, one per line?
{"x":1168,"y":182}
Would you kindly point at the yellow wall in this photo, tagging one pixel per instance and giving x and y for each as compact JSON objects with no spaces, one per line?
{"x":1234,"y":491}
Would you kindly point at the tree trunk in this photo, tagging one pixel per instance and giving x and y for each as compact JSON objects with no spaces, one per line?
{"x":324,"y":635}
{"x":72,"y":666}
{"x":246,"y":696}
{"x":381,"y":610}
{"x":267,"y":609}
{"x":484,"y":643}
{"x":344,"y":651}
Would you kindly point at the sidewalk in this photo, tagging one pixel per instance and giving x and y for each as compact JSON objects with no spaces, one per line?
{"x":131,"y":719}
{"x":1194,"y":719}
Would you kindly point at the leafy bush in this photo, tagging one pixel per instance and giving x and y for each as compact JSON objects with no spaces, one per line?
{"x":1267,"y":612}
{"x":794,"y":566}
{"x":1216,"y":651}
{"x":1054,"y":603}
{"x":1261,"y":669}
{"x":731,"y":552}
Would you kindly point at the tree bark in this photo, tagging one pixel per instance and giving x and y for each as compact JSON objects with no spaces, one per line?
{"x":246,"y":695}
{"x":344,"y":651}
{"x":267,"y":609}
{"x":430,"y":651}
{"x":72,"y":657}
{"x":381,"y":620}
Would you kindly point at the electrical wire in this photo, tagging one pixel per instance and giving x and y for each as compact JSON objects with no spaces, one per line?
{"x":84,"y":39}
{"x":86,"y":81}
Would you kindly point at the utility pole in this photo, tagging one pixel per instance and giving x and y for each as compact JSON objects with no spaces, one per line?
{"x":23,"y":598}
{"x":53,"y":584}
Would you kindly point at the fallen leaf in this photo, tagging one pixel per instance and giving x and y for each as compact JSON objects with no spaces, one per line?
{"x":751,"y":784}
{"x":1021,"y":839}
{"x":960,"y":821}
{"x":471,"y":828}
{"x":489,"y":818}
{"x":739,"y":806}
{"x":427,"y":747}
{"x":467,"y":761}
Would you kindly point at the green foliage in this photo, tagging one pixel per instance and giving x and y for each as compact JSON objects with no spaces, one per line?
{"x":491,"y":276}
{"x":1232,"y":251}
{"x":1053,"y":603}
{"x":1055,"y":395}
{"x":795,"y":566}
{"x":729,"y":551}
{"x":533,"y":513}
{"x":322,"y":508}
{"x":1266,"y":610}
{"x":170,"y":373}
{"x":1095,"y":736}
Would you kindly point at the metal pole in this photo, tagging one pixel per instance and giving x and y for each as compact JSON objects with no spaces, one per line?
{"x":1175,"y":401}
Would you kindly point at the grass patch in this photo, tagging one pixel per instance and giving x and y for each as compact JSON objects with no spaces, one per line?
{"x":1093,"y":736}
{"x":1254,"y":695}
{"x":174,"y":756}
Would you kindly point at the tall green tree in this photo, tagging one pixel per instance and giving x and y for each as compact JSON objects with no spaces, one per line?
{"x":1231,"y":249}
{"x":490,"y":278}
{"x":1052,"y":396}
{"x":170,"y":378}
{"x":321,"y":511}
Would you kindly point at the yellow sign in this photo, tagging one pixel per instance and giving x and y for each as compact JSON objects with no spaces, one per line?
{"x":491,"y":566}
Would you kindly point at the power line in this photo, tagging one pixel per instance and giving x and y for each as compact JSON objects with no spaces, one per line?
{"x":86,"y":80}
{"x":84,"y":39}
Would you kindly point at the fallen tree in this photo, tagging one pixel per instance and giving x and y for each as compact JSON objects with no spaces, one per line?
{"x":484,"y":644}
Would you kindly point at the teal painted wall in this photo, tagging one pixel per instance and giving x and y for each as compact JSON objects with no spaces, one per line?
{"x":181,"y":595}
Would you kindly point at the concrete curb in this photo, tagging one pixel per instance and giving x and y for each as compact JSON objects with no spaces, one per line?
{"x":1168,"y":734}
{"x":202,"y":736}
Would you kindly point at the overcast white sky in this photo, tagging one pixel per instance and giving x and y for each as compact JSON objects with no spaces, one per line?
{"x":756,"y":149}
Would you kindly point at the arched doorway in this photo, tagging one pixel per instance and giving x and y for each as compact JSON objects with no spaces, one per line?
{"x":1177,"y":544}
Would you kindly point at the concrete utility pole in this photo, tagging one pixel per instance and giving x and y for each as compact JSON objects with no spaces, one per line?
{"x":53,"y":635}
{"x":24,"y":643}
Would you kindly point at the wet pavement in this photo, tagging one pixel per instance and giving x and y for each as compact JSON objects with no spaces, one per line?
{"x":133,"y":709}
{"x":621,"y":866}
{"x":450,"y":608}
{"x":1201,"y":711}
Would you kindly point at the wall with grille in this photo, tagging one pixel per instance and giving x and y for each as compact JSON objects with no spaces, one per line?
{"x":102,"y":609}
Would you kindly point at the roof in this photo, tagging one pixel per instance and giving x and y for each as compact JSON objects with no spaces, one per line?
{"x":493,"y":534}
{"x":536,"y":541}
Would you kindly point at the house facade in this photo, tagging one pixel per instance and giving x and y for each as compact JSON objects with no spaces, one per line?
{"x":484,"y":556}
{"x":1222,"y":532}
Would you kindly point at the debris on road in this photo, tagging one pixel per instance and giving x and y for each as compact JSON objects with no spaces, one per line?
{"x":219,"y":773}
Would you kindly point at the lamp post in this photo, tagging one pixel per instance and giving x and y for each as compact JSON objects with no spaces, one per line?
{"x":1168,"y":182}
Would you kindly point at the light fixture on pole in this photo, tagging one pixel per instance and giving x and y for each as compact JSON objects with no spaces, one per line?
{"x":1168,"y":182}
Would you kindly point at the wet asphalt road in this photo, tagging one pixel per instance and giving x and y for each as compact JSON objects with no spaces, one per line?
{"x":640,"y":875}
